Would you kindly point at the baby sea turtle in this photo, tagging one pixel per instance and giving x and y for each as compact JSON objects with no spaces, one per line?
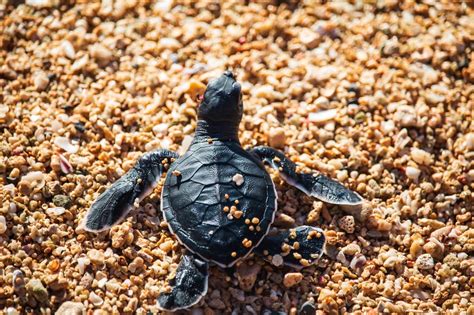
{"x":218,"y":199}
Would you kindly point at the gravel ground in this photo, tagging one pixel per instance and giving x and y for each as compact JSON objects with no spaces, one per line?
{"x":379,"y":96}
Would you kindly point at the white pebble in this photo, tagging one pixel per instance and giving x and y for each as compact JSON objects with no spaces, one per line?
{"x":387,"y":126}
{"x":40,"y":81}
{"x":101,"y":53}
{"x":40,"y":3}
{"x":66,"y":145}
{"x":322,"y":116}
{"x":68,"y":49}
{"x":425,"y":262}
{"x":95,"y":299}
{"x":238,"y":179}
{"x":36,"y":179}
{"x":413,"y":173}
{"x":56,"y":211}
{"x":82,"y":264}
{"x":470,"y":141}
{"x":3,"y":224}
{"x":277,"y":260}
{"x":421,"y":156}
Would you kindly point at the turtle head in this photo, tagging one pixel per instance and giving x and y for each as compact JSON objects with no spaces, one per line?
{"x":222,"y":100}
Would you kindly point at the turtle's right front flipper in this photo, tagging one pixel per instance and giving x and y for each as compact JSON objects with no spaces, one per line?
{"x":313,"y":184}
{"x":188,"y":286}
{"x":117,"y":201}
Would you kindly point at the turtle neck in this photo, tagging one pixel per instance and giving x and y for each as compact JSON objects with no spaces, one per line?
{"x":223,"y":131}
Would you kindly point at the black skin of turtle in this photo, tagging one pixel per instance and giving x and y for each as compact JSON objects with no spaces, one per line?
{"x":216,"y":216}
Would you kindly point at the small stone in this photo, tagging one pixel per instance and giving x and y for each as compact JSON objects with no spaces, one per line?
{"x":277,"y":260}
{"x":470,"y":141}
{"x":55,"y":211}
{"x":122,"y":235}
{"x":413,"y":173}
{"x":101,"y":53}
{"x":276,"y":138}
{"x":62,"y":201}
{"x":95,"y":299}
{"x":421,"y":156}
{"x":96,"y":257}
{"x":41,"y":3}
{"x":322,"y":116}
{"x":425,"y":262}
{"x":247,"y":275}
{"x":239,"y":295}
{"x":238,"y":179}
{"x":3,"y":224}
{"x":136,"y":265}
{"x":40,"y":80}
{"x":71,"y":308}
{"x":68,"y":49}
{"x":65,"y":144}
{"x":292,"y":278}
{"x":309,"y":38}
{"x":308,"y":308}
{"x":284,"y":220}
{"x":347,"y":223}
{"x":166,"y":246}
{"x":37,"y":290}
{"x":217,"y":304}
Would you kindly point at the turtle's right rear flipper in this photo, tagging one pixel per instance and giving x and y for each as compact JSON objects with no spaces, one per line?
{"x":117,"y":201}
{"x":188,"y":287}
{"x":299,"y":247}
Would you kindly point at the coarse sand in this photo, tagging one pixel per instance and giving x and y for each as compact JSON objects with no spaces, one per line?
{"x":376,"y":94}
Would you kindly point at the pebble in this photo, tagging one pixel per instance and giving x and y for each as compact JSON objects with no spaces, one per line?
{"x":247,"y":275}
{"x":62,"y":201}
{"x":35,"y":288}
{"x":40,"y":81}
{"x":55,"y":211}
{"x":68,"y":49}
{"x":292,"y":278}
{"x":96,"y":257}
{"x":347,"y":223}
{"x":40,"y":3}
{"x":425,"y":262}
{"x":71,"y":308}
{"x":95,"y":299}
{"x":276,"y":138}
{"x":3,"y":224}
{"x":413,"y":173}
{"x":277,"y":260}
{"x":238,"y":179}
{"x":322,"y":116}
{"x":101,"y":53}
{"x":421,"y":156}
{"x":470,"y":141}
{"x":65,"y":144}
{"x":308,"y":308}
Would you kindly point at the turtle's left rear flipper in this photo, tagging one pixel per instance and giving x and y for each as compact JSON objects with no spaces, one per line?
{"x":188,"y":286}
{"x":117,"y":201}
{"x":316,"y":185}
{"x":299,"y":247}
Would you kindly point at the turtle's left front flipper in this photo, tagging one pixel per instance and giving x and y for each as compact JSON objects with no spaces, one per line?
{"x":299,"y":247}
{"x":117,"y":201}
{"x":188,"y":286}
{"x":316,"y":185}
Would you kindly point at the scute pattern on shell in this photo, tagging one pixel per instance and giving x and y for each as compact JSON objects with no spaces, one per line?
{"x":193,"y":203}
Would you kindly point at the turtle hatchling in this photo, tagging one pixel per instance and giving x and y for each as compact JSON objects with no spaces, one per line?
{"x":218,"y":199}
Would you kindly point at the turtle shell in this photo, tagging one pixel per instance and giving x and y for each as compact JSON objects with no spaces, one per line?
{"x":219,"y":201}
